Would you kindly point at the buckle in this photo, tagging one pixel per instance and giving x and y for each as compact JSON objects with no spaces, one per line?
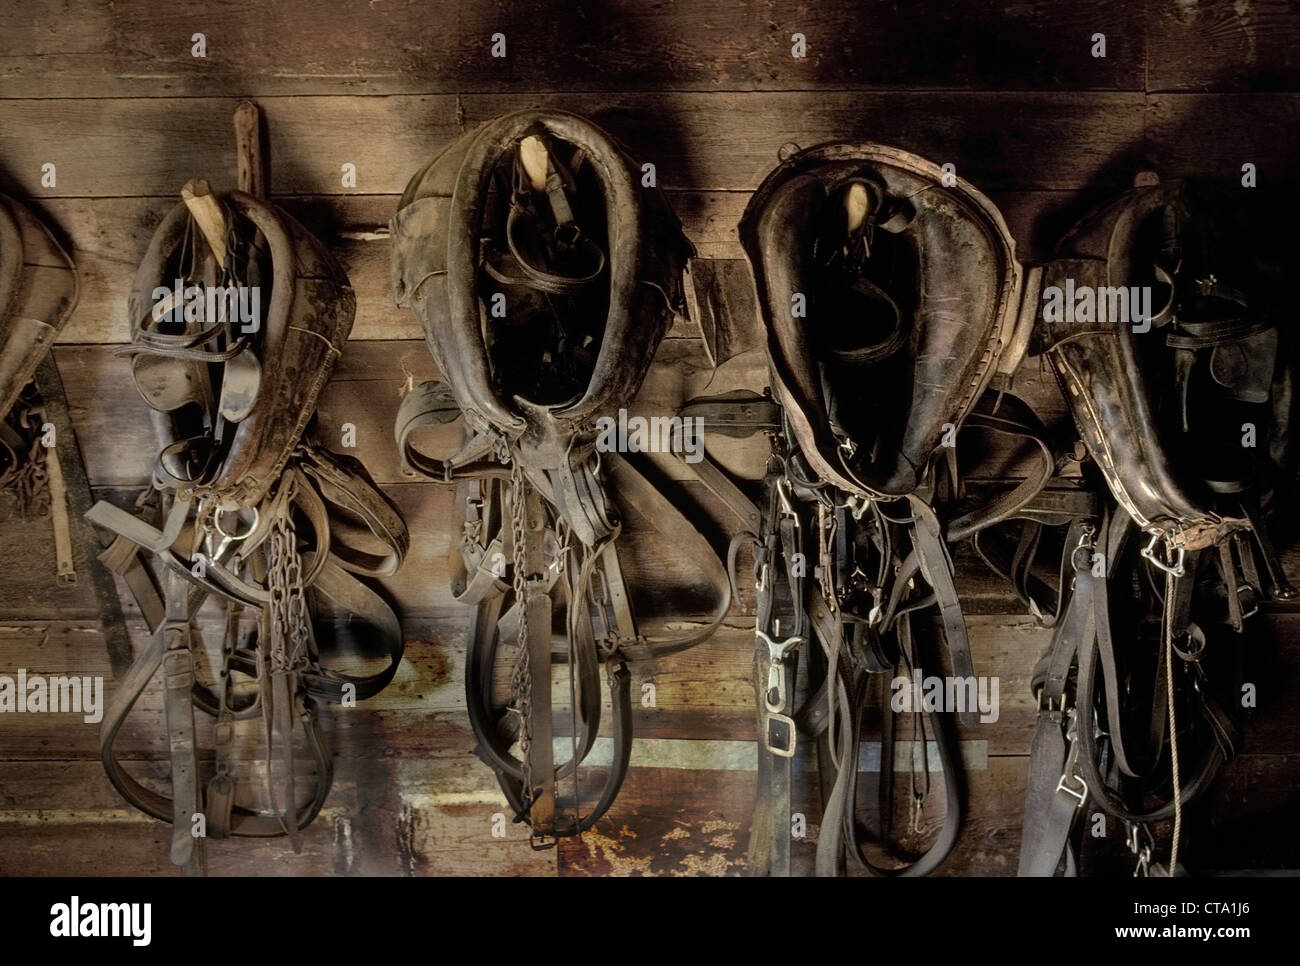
{"x":1081,"y":796}
{"x":1087,"y":541}
{"x":1252,"y":597}
{"x":781,"y":740}
{"x":787,"y":508}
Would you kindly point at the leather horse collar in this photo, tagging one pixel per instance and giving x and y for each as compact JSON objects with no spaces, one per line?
{"x":891,"y":299}
{"x":38,"y":291}
{"x":887,"y":264}
{"x":544,"y":277}
{"x":250,"y":512}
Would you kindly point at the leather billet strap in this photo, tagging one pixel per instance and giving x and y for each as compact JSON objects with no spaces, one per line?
{"x":178,"y":679}
{"x":937,"y":569}
{"x":778,"y":638}
{"x":1055,"y":795}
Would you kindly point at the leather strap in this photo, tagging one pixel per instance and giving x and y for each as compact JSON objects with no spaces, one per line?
{"x":936,"y":567}
{"x":178,"y":679}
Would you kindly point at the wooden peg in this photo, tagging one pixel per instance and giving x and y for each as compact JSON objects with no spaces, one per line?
{"x":202,"y":203}
{"x":536,"y":162}
{"x":250,"y":159}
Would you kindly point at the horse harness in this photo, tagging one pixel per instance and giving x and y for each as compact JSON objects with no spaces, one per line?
{"x":1135,"y":726}
{"x":38,"y":291}
{"x":538,"y":214}
{"x":245,"y":510}
{"x":858,"y":258}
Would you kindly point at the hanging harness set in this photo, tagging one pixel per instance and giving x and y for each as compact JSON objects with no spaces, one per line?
{"x":238,"y":315}
{"x":544,"y":278}
{"x":545,"y":271}
{"x":895,"y":316}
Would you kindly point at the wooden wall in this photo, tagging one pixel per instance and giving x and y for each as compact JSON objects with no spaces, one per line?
{"x":708,"y":91}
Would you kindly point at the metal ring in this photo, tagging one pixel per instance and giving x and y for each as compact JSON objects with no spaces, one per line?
{"x":216,"y":523}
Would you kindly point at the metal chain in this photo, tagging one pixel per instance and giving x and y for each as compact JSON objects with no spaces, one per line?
{"x":289,"y":617}
{"x":28,"y":484}
{"x":521,"y":679}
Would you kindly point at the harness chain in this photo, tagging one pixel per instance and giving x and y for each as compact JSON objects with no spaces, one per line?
{"x":521,"y":679}
{"x":29,"y":482}
{"x":290,"y":636}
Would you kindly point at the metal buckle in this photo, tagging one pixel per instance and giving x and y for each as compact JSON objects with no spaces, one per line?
{"x":1086,"y":542}
{"x":1081,"y":795}
{"x":1140,"y":850}
{"x":857,"y":506}
{"x":787,"y":749}
{"x":1174,"y":569}
{"x":1253,"y":598}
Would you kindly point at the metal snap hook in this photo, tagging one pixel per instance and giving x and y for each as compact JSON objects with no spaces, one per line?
{"x":1175,"y":569}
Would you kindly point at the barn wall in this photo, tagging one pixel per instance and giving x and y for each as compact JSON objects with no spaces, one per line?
{"x":709,"y":92}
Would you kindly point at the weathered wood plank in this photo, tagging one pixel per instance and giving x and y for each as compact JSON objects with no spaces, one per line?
{"x":1213,"y":135}
{"x":149,"y":146}
{"x":383,"y":817}
{"x":1221,"y":45}
{"x":319,"y":47}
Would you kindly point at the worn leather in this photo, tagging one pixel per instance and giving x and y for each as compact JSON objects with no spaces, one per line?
{"x":436,"y":261}
{"x":962,"y":312}
{"x":1106,"y":384}
{"x":38,"y":291}
{"x":305,"y":324}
